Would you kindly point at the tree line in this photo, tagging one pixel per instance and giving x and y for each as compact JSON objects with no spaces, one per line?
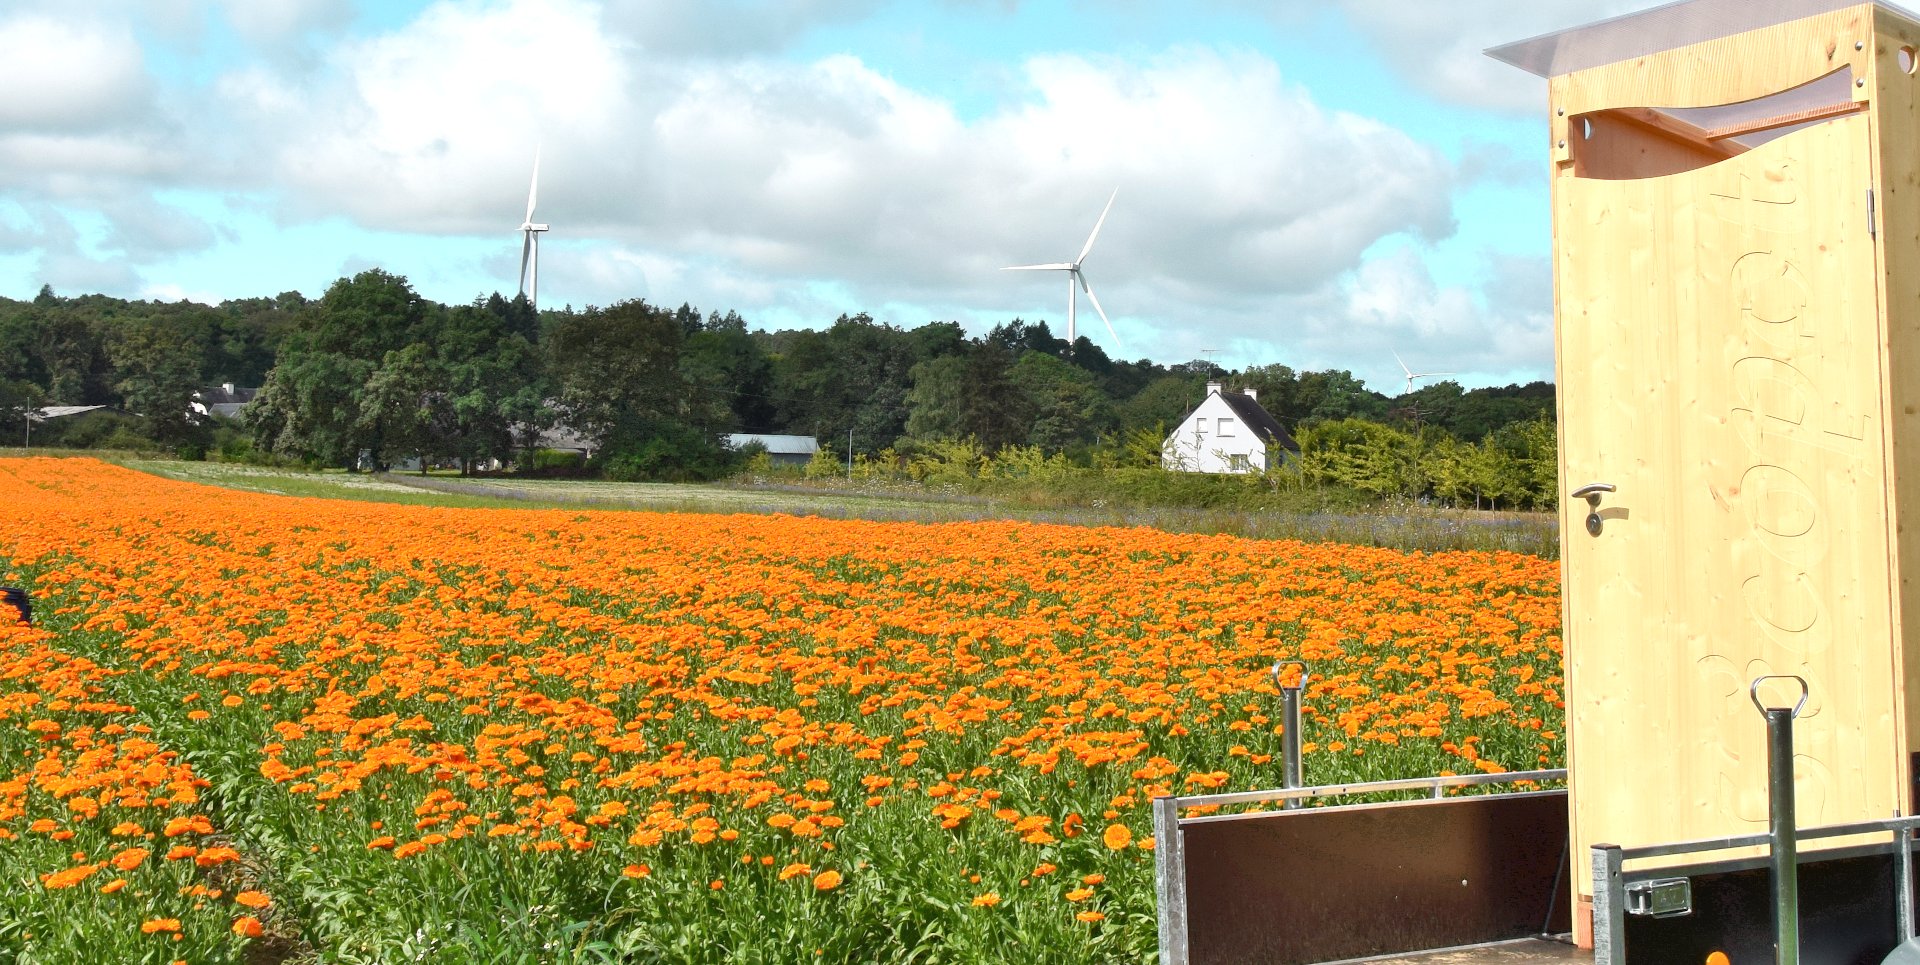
{"x":371,"y":373}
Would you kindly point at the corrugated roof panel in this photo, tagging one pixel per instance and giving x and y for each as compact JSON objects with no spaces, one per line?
{"x":1661,"y":28}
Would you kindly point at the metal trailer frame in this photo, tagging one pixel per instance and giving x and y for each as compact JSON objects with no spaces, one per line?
{"x":1170,"y":871}
{"x":1612,"y":881}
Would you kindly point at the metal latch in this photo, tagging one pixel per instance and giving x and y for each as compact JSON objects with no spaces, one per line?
{"x":1660,"y":898}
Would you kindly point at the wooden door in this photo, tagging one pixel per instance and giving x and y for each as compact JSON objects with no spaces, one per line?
{"x":1719,"y":363}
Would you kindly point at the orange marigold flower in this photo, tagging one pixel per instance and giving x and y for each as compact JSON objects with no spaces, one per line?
{"x":987,"y":900}
{"x":209,"y":857}
{"x":1080,"y":894}
{"x":826,"y":880}
{"x":68,"y":877}
{"x":152,"y":925}
{"x":113,"y":886}
{"x":247,"y":926}
{"x":383,"y":841}
{"x":795,"y":870}
{"x":636,"y":871}
{"x":252,"y":899}
{"x":130,"y":859}
{"x":1090,"y":916}
{"x":1117,"y":836}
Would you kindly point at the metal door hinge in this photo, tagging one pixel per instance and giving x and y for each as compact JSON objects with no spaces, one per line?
{"x":1873,"y":229}
{"x":1660,"y":898}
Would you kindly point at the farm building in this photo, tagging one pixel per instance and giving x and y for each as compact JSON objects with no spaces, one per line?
{"x":782,"y":449}
{"x":222,"y":401}
{"x":1228,"y":432}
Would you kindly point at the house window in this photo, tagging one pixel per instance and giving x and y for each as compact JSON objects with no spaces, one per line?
{"x":1226,"y":428}
{"x":1239,"y":462}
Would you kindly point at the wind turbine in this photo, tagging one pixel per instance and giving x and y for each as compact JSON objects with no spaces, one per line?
{"x":1412,"y":375}
{"x":530,"y":248}
{"x":1076,"y":277}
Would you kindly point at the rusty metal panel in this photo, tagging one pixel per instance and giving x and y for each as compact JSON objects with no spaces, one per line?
{"x":1321,"y":884}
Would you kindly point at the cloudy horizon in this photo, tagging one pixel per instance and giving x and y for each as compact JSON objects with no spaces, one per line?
{"x":1319,"y":185}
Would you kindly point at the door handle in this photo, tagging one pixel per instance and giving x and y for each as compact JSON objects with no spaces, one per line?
{"x":1592,"y":492}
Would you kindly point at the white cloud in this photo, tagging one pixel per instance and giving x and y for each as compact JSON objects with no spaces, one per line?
{"x":67,"y":77}
{"x":1500,"y":330}
{"x":433,"y":128}
{"x":274,"y":21}
{"x":677,"y":168}
{"x":1440,"y":47}
{"x":676,"y":29}
{"x":67,"y":265}
{"x":1235,"y":186}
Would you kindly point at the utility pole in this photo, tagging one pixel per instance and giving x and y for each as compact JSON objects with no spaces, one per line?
{"x":849,"y":454}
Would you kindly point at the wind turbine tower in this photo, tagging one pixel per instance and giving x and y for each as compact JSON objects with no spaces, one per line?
{"x":1412,"y":375}
{"x":1075,"y":277}
{"x":530,"y":246}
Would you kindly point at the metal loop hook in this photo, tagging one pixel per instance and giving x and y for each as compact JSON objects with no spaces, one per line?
{"x":1753,"y":691}
{"x":1282,"y":664}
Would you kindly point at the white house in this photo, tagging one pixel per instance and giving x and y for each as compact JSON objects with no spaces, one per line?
{"x":1227,"y":432}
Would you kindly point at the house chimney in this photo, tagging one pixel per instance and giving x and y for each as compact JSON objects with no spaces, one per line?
{"x":1251,"y":393}
{"x":227,"y":386}
{"x":1213,"y":388}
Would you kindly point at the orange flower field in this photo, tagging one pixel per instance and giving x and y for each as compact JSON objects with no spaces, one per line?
{"x":250,"y":727}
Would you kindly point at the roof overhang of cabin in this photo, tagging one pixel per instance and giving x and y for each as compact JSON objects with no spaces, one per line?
{"x":1662,"y":28}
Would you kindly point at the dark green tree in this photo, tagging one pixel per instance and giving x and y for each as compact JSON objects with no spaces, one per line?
{"x":1066,"y":407}
{"x":616,"y":372}
{"x":315,"y":403}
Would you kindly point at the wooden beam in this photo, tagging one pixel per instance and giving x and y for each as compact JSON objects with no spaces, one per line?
{"x":1673,"y":127}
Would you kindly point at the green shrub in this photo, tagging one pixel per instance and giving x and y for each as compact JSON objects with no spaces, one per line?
{"x":544,"y":460}
{"x":823,"y":465}
{"x":665,"y":451}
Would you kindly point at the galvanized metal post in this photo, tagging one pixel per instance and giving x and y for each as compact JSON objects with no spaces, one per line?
{"x":1609,"y":905}
{"x":1290,"y":771}
{"x":1903,"y":882}
{"x":1290,"y":742}
{"x":1170,"y":880}
{"x":1783,"y":843}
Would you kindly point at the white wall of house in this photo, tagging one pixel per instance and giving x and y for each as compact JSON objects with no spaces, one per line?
{"x":1213,"y":439}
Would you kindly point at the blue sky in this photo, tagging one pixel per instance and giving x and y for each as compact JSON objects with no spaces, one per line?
{"x":1319,"y":184}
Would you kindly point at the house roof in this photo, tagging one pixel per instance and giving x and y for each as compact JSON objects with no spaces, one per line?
{"x":224,"y":394}
{"x":779,"y":445}
{"x":1665,"y":27}
{"x":562,"y":437}
{"x":59,"y":411}
{"x":1257,"y":418}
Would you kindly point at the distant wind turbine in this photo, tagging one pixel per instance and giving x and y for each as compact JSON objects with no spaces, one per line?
{"x":1412,"y":375}
{"x":1076,"y":277}
{"x":530,"y":247}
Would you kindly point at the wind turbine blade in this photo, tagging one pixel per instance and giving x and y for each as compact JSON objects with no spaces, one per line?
{"x":533,"y":193}
{"x":526,"y":251}
{"x":1096,"y":307}
{"x":1054,"y":267}
{"x":1403,"y":364}
{"x":1096,"y":226}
